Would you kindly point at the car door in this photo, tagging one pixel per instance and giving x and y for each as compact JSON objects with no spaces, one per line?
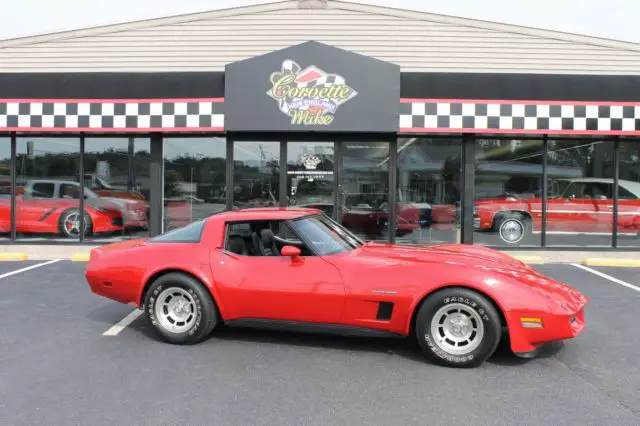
{"x":36,"y":204}
{"x":628,"y":211}
{"x":301,"y":289}
{"x":602,"y":198}
{"x":574,"y":211}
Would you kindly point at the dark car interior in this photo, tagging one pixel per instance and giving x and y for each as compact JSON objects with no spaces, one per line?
{"x":262,"y":238}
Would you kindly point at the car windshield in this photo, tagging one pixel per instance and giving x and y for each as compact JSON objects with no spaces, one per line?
{"x":325,"y":235}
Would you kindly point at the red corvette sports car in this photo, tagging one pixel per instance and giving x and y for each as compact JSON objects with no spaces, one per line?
{"x":298,"y":268}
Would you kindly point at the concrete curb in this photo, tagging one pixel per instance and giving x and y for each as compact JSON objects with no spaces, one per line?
{"x":80,"y":257}
{"x":530,"y":260}
{"x":13,"y":257}
{"x":619,"y":263}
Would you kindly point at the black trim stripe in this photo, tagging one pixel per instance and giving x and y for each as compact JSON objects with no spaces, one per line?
{"x":47,"y":214}
{"x":145,"y":85}
{"x":97,"y":85}
{"x":543,"y":87}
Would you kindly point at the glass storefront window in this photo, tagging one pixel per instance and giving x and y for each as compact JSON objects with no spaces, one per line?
{"x":364,"y":192}
{"x":629,"y":195}
{"x":508,"y":196}
{"x":116,"y":178}
{"x":5,"y":190}
{"x":194,"y":179}
{"x":428,"y":192}
{"x":310,"y":177}
{"x":256,"y":174}
{"x":48,"y":192}
{"x":580,"y":206}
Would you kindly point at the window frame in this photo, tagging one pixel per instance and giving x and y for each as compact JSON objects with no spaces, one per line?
{"x":286,"y":222}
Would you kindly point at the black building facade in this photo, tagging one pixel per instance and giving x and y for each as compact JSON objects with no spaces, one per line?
{"x":505,"y":160}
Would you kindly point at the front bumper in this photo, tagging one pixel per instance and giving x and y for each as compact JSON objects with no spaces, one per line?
{"x":530,"y":330}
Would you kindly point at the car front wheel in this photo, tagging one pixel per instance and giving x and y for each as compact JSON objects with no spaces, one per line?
{"x":180,"y":309}
{"x":458,"y":327}
{"x":511,"y":228}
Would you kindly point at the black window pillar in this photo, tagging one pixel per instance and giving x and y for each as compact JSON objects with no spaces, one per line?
{"x":131,"y":159}
{"x":284,"y":202}
{"x":545,"y":191}
{"x":81,"y":183}
{"x":393,"y":177}
{"x":616,"y":178}
{"x":229,"y":172}
{"x":156,"y":193}
{"x":13,"y":185}
{"x":339,"y":191}
{"x":467,"y":188}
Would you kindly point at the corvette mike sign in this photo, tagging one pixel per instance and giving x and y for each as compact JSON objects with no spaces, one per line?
{"x":312,"y":87}
{"x":309,"y":96}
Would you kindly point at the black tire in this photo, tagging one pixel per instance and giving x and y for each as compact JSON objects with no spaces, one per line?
{"x":484,"y":310}
{"x":204,"y":313}
{"x":514,"y":222}
{"x":88,"y":224}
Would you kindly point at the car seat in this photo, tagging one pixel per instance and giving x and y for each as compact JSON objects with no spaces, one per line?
{"x":236,"y":245}
{"x":258,"y":248}
{"x":269,"y":243}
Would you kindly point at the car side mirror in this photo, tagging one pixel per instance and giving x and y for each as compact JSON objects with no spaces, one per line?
{"x":290,"y":251}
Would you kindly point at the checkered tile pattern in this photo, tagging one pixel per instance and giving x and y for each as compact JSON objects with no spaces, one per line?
{"x":112,"y":115}
{"x":519,"y":117}
{"x":415,"y":116}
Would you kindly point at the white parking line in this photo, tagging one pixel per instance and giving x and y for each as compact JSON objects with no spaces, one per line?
{"x":608,"y":277}
{"x":18,"y":271}
{"x":124,"y":322}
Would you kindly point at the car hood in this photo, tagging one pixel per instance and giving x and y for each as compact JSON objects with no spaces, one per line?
{"x":460,"y":254}
{"x":481,"y":258}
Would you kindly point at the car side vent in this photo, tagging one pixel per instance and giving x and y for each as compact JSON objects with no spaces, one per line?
{"x":385,"y":309}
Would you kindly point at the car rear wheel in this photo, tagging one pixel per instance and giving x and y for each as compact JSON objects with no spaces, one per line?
{"x":69,"y":223}
{"x":180,"y":309}
{"x":458,"y":327}
{"x":511,"y":228}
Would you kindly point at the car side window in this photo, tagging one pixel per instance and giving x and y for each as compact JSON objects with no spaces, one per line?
{"x":575,"y":190}
{"x":69,"y":191}
{"x":601,"y":191}
{"x":623,"y":194}
{"x":261,"y":238}
{"x":191,"y":233}
{"x":43,"y":190}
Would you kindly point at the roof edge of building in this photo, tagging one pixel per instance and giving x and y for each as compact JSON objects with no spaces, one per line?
{"x":348,"y":5}
{"x":488,"y":25}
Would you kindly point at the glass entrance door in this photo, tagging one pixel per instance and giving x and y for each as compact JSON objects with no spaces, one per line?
{"x":311,"y":178}
{"x":363,"y":197}
{"x":349,"y":182}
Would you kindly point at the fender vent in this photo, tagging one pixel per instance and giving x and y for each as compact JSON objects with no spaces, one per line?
{"x":385,"y":309}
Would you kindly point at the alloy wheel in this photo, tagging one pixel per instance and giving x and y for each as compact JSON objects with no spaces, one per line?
{"x":457,"y":329}
{"x":175,"y":310}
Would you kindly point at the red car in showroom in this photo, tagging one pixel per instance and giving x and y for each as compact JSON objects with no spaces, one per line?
{"x":46,"y":206}
{"x":299,"y":269}
{"x":584,"y":207}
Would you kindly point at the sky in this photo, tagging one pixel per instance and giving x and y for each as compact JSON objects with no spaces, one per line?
{"x":616,"y":19}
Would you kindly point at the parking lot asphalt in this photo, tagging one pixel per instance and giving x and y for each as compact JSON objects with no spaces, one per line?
{"x":57,"y":367}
